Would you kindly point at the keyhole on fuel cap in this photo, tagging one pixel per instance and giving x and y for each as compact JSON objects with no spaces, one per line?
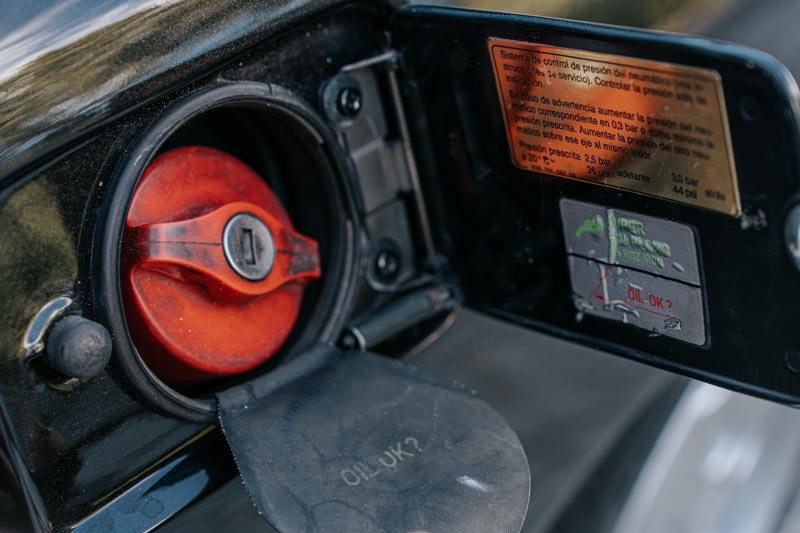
{"x":249,"y":247}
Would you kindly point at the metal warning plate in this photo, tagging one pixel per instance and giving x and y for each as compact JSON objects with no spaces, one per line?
{"x":644,"y":126}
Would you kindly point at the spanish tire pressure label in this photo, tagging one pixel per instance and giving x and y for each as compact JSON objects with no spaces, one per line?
{"x":644,"y":126}
{"x":634,"y":269}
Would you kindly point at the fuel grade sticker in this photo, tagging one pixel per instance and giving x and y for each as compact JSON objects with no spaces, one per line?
{"x":636,"y":269}
{"x":653,"y":128}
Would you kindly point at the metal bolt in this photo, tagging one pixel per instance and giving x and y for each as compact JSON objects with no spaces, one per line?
{"x":792,"y":235}
{"x":387,"y":264}
{"x":352,"y":339}
{"x":792,"y":358}
{"x":349,"y":102}
{"x":749,"y":110}
{"x":248,"y":246}
{"x":78,"y":347}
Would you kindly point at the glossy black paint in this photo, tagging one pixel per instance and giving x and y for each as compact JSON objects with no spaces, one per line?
{"x":181,"y":478}
{"x":78,"y":448}
{"x":503,"y":224}
{"x":85,"y":81}
{"x":70,"y":67}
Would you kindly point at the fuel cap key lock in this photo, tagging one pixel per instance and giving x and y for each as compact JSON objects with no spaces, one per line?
{"x":210,"y":251}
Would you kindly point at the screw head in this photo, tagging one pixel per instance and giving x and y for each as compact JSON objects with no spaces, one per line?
{"x":792,"y":358}
{"x":791,"y":234}
{"x":749,"y":109}
{"x":387,"y":264}
{"x":349,"y":102}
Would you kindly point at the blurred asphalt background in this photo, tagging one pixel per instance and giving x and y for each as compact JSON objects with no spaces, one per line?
{"x":770,"y":25}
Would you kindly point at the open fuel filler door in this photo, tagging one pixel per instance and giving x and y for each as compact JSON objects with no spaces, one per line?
{"x":627,"y":190}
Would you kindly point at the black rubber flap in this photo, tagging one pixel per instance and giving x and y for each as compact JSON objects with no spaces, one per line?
{"x":351,"y":441}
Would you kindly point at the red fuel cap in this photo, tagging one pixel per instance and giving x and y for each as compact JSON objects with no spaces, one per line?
{"x":213,"y":270}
